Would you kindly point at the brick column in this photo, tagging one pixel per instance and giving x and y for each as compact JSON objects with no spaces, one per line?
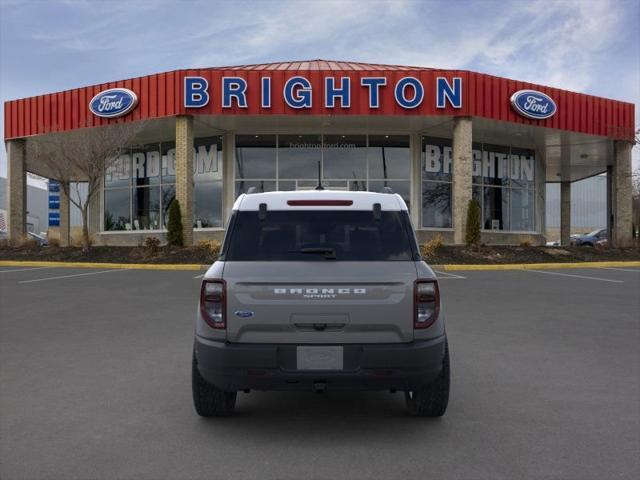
{"x":228,"y":172}
{"x":462,"y":175}
{"x":16,"y":191}
{"x":621,"y":185}
{"x":184,"y":174}
{"x":65,"y":219}
{"x":416,"y":179}
{"x":565,"y":213}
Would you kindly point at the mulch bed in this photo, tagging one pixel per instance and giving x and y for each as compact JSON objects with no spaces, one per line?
{"x":447,"y":255}
{"x":443,"y":255}
{"x":171,"y":255}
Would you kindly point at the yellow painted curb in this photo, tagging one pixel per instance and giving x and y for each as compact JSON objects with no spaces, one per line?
{"x":539,"y":266}
{"x":130,"y":266}
{"x":194,"y":266}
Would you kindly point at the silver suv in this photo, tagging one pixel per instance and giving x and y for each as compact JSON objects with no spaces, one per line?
{"x":320,"y":290}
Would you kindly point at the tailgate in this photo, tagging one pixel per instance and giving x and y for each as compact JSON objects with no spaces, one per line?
{"x":320,"y":302}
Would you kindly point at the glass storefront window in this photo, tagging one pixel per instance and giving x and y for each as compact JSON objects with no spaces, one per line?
{"x":389,"y":156}
{"x":437,"y":161}
{"x":168,"y":194}
{"x":496,"y":208}
{"x":146,"y":208}
{"x":497,"y":174}
{"x":117,"y":213}
{"x":522,"y":209}
{"x":208,"y":205}
{"x":255,"y":156}
{"x":152,"y":168}
{"x":298,"y":156}
{"x":344,"y":156}
{"x":118,"y":174}
{"x":436,"y":204}
{"x":146,"y":165}
{"x":243,"y":186}
{"x":348,"y":162}
{"x":495,"y":165}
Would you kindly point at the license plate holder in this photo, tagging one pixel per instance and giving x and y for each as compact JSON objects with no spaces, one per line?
{"x":320,"y":358}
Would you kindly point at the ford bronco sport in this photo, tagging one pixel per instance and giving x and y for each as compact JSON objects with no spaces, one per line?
{"x":320,"y":290}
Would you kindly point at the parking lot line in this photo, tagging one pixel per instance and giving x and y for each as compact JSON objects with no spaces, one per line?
{"x":70,"y":276}
{"x":449,"y":276}
{"x":199,"y":276}
{"x":575,"y":276}
{"x":23,"y":269}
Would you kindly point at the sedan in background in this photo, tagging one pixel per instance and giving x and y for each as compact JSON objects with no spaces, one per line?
{"x":591,"y":238}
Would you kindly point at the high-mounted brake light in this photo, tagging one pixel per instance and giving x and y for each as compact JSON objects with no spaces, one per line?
{"x":319,"y":203}
{"x":213,"y":303}
{"x":426,"y":303}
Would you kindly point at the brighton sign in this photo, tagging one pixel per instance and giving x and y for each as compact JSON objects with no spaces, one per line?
{"x":533,"y":104}
{"x":408,"y":92}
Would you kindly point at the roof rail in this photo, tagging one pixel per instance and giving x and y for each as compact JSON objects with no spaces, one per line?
{"x":252,"y":190}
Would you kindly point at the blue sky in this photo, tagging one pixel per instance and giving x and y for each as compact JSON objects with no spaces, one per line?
{"x":582,"y":45}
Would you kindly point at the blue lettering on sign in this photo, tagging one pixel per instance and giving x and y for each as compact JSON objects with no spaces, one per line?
{"x":196,"y":92}
{"x":401,"y":94}
{"x":266,"y":93}
{"x":234,"y":87}
{"x":444,"y":92}
{"x":533,"y":104}
{"x":297,"y":92}
{"x":114,"y":102}
{"x":374,"y":84}
{"x":54,"y":187}
{"x":331,"y":92}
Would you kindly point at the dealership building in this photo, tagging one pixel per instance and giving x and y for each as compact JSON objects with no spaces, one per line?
{"x":437,"y":137}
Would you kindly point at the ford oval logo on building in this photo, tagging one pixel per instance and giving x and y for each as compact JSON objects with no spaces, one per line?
{"x":114,"y":102}
{"x":533,"y":104}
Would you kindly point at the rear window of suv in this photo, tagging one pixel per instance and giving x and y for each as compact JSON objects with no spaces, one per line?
{"x":320,"y":236}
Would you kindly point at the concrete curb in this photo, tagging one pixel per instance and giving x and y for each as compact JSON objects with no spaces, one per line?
{"x":536,"y":266}
{"x":130,"y":266}
{"x":195,"y":266}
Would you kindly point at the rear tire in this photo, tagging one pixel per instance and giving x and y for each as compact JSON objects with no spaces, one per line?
{"x":208,"y":400}
{"x":431,"y":400}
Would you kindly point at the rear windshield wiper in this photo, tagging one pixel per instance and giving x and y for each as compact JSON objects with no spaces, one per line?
{"x":329,"y":253}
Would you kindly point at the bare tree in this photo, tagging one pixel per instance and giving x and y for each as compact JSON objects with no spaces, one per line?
{"x":82,"y":156}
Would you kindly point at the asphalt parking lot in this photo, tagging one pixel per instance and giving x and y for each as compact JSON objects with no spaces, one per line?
{"x":95,"y":384}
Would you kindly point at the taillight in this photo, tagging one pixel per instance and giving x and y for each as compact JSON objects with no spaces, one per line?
{"x":426,"y":303}
{"x":212,"y":303}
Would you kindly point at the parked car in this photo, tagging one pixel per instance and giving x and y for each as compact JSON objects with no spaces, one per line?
{"x":320,"y":290}
{"x":590,"y":239}
{"x":42,"y":241}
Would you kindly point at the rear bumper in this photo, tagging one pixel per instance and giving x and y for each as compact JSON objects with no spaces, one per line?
{"x":405,"y":366}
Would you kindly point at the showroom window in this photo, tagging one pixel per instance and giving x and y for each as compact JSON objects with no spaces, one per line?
{"x":503,"y":184}
{"x":437,"y":170}
{"x":140,"y":186}
{"x":348,"y":162}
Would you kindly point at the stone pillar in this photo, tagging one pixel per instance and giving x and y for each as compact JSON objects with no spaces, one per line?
{"x":565,"y":213}
{"x":416,"y":179}
{"x":16,"y":191}
{"x":621,"y":184}
{"x":184,"y":174}
{"x":65,"y":218}
{"x":462,"y":175}
{"x":228,"y":173}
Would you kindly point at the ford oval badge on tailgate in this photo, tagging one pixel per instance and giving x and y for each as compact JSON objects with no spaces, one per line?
{"x":243,"y":314}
